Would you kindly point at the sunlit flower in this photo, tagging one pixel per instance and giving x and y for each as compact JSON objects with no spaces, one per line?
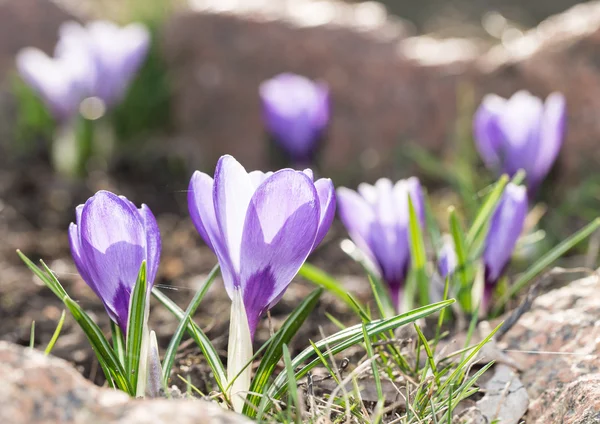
{"x":377,"y":219}
{"x":261,"y":226}
{"x":520,"y":133}
{"x":295,"y":113}
{"x":109,"y":241}
{"x":505,"y":227}
{"x":98,"y":60}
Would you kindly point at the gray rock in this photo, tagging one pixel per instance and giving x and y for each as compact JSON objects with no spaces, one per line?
{"x":43,"y":389}
{"x":558,"y":338}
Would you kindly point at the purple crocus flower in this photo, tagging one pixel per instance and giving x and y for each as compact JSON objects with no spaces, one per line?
{"x":261,"y":226}
{"x":377,"y":219}
{"x":447,"y":260}
{"x":98,"y":60}
{"x":295,"y":113}
{"x":117,"y":53}
{"x":520,"y":133}
{"x":109,"y":241}
{"x":62,"y":82}
{"x":505,"y":227}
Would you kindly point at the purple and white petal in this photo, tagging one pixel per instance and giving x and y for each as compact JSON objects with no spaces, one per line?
{"x":326,"y":193}
{"x":279,"y":234}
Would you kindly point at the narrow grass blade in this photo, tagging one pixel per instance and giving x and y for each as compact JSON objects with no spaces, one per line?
{"x":104,"y":352}
{"x":118,"y":339}
{"x":344,"y":339}
{"x":208,"y":350}
{"x":321,"y":278}
{"x":464,"y":296}
{"x":374,"y":368}
{"x":546,"y":261}
{"x":485,"y":212}
{"x":54,"y":338}
{"x":428,"y":351}
{"x":417,"y":252}
{"x":275,"y":349}
{"x":32,"y":335}
{"x":135,"y":326}
{"x":292,"y":386}
{"x":171,"y":351}
{"x":48,"y":279}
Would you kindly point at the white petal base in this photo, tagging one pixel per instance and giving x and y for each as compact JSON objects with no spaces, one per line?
{"x":239,"y":353}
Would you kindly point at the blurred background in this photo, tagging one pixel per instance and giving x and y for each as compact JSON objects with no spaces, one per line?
{"x":405,"y":78}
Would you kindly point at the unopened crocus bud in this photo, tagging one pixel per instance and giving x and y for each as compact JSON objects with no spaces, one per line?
{"x":109,"y":241}
{"x":506,"y":226}
{"x":520,"y":133}
{"x":447,"y":260}
{"x":377,"y":219}
{"x":262,"y":227}
{"x":295,"y":113}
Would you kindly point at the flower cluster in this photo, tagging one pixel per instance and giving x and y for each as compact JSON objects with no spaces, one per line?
{"x":96,"y":61}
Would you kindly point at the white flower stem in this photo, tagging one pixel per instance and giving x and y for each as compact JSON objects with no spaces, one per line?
{"x":239,"y":353}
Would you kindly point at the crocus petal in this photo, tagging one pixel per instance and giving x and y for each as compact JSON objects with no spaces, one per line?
{"x":202,"y":212}
{"x":278,"y":235}
{"x":357,"y":216}
{"x":447,"y":260}
{"x":551,"y":136}
{"x":295,"y":111}
{"x":50,"y":80}
{"x":326,"y":193}
{"x":119,"y":53}
{"x":505,"y":227}
{"x":488,"y":136}
{"x":232,"y":192}
{"x":153,"y":243}
{"x":113,"y":246}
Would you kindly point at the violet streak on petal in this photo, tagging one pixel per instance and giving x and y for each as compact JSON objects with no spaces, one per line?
{"x":108,"y":243}
{"x":520,"y":133}
{"x":377,"y":220}
{"x":261,"y":226}
{"x":295,"y":113}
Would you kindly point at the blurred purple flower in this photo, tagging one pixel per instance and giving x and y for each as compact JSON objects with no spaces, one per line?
{"x":109,"y":241}
{"x":261,"y":226}
{"x":520,"y":133}
{"x":98,"y":60}
{"x":295,"y":113}
{"x":377,"y":220}
{"x":505,"y":228}
{"x":447,"y":259}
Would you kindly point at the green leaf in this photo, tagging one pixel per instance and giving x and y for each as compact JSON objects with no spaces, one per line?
{"x":417,"y":253}
{"x":208,"y":350}
{"x":106,"y":356}
{"x":169,"y":358}
{"x":547,"y":260}
{"x":275,"y":349}
{"x":477,"y":230}
{"x":135,"y":326}
{"x":118,"y":339}
{"x":54,"y":338}
{"x":374,"y":368}
{"x":47,"y":278}
{"x":32,"y":335}
{"x":291,"y":381}
{"x":321,"y":278}
{"x":464,"y":291}
{"x":344,"y":339}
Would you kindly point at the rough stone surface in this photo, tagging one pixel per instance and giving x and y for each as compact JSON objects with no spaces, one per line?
{"x":39,"y":389}
{"x":562,"y":374}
